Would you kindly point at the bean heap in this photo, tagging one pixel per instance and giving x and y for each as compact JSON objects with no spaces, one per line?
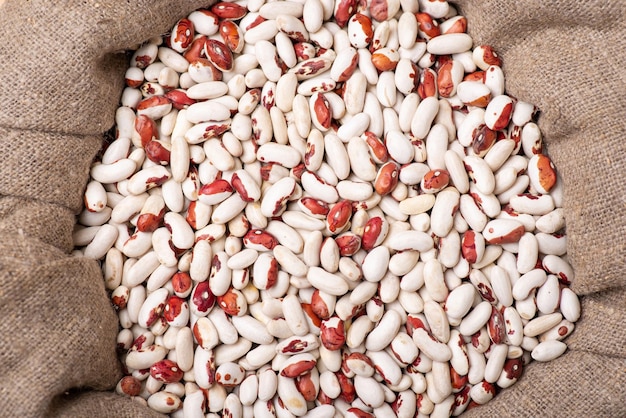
{"x":326,"y":207}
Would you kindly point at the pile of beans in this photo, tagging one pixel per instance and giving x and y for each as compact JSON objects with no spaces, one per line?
{"x":330,"y":208}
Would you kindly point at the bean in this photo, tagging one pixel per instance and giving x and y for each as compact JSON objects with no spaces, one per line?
{"x":548,"y":350}
{"x":570,"y":305}
{"x":432,"y":348}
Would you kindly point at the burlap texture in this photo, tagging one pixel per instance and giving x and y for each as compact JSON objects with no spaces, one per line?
{"x":568,"y":58}
{"x":60,"y":81}
{"x":61,"y":74}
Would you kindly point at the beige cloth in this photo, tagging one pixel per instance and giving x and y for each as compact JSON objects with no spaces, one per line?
{"x":60,"y":80}
{"x":568,"y":58}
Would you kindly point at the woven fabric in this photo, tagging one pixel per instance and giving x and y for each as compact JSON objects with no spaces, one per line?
{"x":60,"y":81}
{"x":567,"y":58}
{"x":61,"y":77}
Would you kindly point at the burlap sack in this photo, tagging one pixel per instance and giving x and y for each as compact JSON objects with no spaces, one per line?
{"x":568,"y":58}
{"x":61,"y":76}
{"x":60,"y":80}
